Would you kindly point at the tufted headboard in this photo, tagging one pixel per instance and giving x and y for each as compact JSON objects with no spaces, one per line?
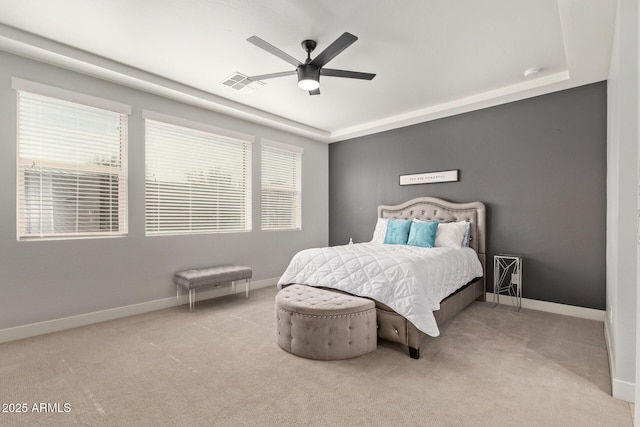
{"x":434,"y":209}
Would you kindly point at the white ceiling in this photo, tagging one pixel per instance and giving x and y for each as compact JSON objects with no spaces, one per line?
{"x":432,"y":58}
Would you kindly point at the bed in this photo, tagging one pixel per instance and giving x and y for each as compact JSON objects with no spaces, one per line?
{"x":394,"y":276}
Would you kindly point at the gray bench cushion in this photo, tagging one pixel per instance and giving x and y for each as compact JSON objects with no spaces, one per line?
{"x":191,"y":279}
{"x":316,"y":301}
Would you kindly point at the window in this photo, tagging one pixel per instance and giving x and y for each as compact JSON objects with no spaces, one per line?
{"x":281,"y":193}
{"x":72,"y":168}
{"x":196,"y":181}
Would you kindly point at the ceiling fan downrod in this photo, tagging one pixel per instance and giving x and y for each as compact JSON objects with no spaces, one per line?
{"x":308,"y":46}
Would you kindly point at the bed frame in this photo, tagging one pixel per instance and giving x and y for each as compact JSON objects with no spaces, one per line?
{"x":391,"y":325}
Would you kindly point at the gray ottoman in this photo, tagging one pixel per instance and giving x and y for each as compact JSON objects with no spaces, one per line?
{"x":324,"y":325}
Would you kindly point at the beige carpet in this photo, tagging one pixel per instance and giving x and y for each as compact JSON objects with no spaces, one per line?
{"x":220,"y":366}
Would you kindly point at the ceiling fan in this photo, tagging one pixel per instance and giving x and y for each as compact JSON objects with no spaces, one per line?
{"x":310,"y":70}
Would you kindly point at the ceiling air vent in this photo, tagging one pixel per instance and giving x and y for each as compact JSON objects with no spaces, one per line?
{"x":242,"y":83}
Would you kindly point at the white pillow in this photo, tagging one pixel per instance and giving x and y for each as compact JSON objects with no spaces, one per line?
{"x":381,"y":230}
{"x":450,"y":234}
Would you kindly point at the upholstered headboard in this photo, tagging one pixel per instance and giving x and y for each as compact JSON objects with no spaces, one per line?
{"x":434,"y":209}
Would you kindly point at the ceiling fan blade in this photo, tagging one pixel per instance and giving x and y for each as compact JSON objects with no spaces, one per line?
{"x":348,"y":74}
{"x":272,"y":75}
{"x":273,"y":50}
{"x":314,"y":92}
{"x":340,"y":44}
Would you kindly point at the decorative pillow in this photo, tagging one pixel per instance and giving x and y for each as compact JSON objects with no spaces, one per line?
{"x":397,"y":231}
{"x":450,"y":234}
{"x":466,"y":239}
{"x":380,"y":230}
{"x":423,"y":234}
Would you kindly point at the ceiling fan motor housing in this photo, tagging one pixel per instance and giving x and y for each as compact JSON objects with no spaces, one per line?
{"x":308,"y":72}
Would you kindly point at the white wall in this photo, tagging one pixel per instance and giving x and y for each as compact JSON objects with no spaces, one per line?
{"x":41,"y":281}
{"x":637,"y":389}
{"x":622,"y":181}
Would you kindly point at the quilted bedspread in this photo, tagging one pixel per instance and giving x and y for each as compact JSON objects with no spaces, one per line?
{"x":411,"y":280}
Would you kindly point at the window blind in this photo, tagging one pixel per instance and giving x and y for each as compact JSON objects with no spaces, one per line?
{"x":72,"y":169}
{"x":196,"y":181}
{"x":281,"y":189}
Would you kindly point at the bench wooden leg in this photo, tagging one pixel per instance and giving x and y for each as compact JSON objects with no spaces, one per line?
{"x":247,"y":284}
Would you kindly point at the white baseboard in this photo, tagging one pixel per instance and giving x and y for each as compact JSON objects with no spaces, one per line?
{"x":553,"y":307}
{"x":622,"y":390}
{"x":61,"y":324}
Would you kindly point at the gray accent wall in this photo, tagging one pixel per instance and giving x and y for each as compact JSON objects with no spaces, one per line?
{"x":538,"y":164}
{"x":47,"y":280}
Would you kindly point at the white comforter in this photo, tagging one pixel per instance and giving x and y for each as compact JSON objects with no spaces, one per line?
{"x":409,"y":279}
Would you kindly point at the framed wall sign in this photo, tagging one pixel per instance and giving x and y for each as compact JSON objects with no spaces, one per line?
{"x":430,"y":177}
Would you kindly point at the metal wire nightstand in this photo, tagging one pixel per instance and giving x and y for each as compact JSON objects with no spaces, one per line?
{"x":507,"y":278}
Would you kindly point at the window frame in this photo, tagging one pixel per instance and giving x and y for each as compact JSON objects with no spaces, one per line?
{"x":290,"y":150}
{"x":60,"y":167}
{"x":245,"y":142}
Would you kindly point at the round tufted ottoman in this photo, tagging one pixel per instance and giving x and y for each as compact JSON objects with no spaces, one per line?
{"x":324,"y":325}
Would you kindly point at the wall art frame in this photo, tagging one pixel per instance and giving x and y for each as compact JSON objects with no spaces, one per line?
{"x":430,"y":177}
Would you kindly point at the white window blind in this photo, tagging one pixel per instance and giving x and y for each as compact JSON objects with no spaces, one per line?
{"x":196,"y":181}
{"x":72,"y":169}
{"x":281,"y":189}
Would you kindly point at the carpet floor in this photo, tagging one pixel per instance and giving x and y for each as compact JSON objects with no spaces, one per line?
{"x":221,"y":366}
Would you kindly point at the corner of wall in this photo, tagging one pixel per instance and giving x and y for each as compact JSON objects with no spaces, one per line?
{"x":622,"y":390}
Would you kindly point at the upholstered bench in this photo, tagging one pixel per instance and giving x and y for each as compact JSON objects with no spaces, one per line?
{"x":211,"y":276}
{"x":324,"y":325}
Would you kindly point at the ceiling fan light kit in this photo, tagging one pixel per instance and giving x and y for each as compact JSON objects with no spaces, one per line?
{"x":309,"y":72}
{"x":308,"y":84}
{"x":308,"y":77}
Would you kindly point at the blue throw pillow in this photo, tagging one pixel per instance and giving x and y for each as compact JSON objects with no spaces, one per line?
{"x":423,"y":234}
{"x":397,"y":231}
